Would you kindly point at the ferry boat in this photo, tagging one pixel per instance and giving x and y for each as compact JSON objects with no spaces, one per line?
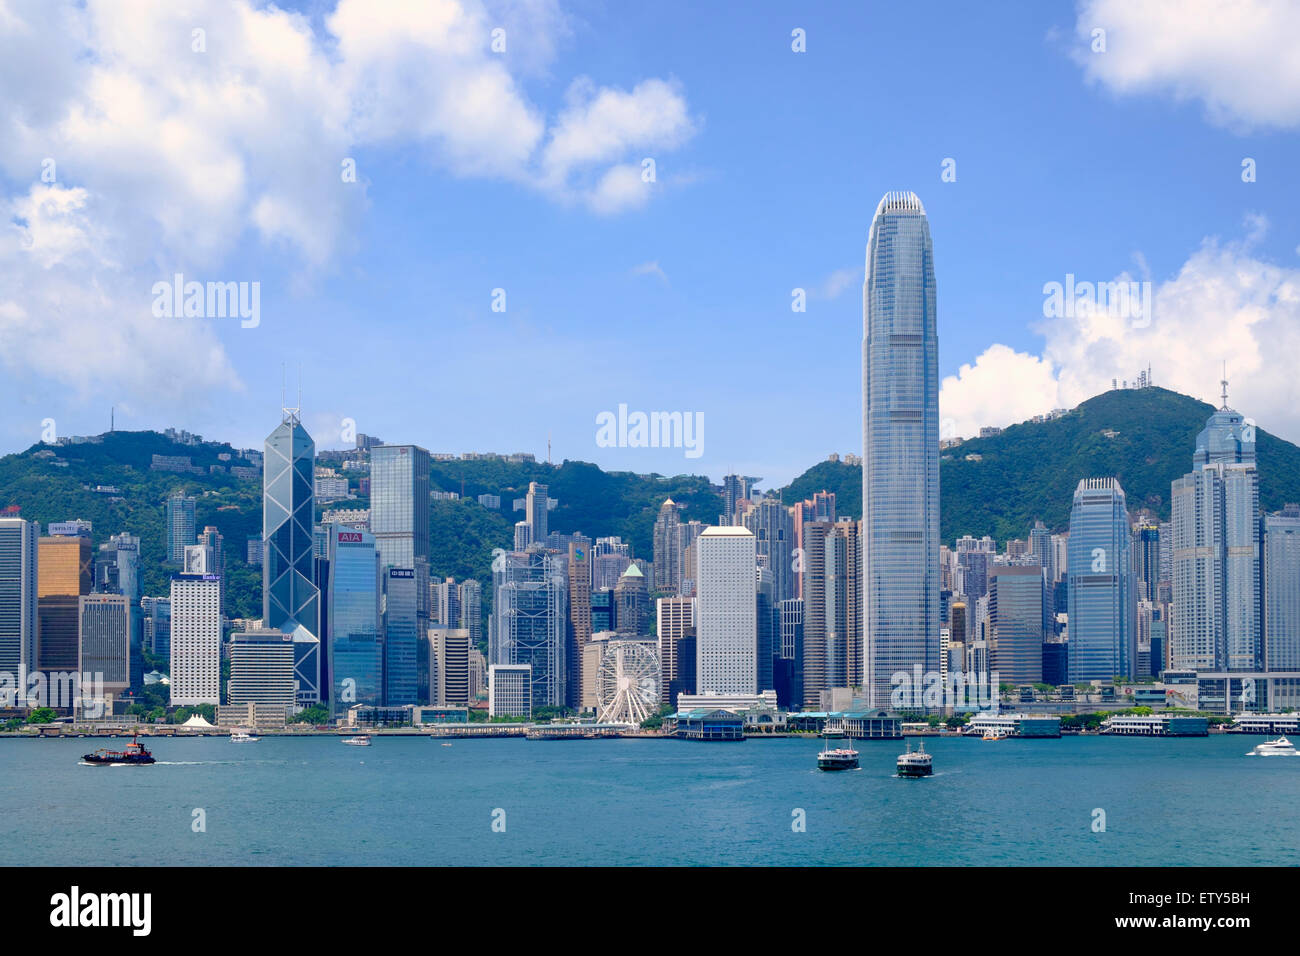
{"x":134,"y":755}
{"x":359,"y":741}
{"x":240,"y":737}
{"x":995,"y":733}
{"x":1275,"y":748}
{"x":836,"y":758}
{"x":915,"y":763}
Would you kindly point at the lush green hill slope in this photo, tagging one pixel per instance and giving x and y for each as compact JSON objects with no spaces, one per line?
{"x":462,"y":533}
{"x":1030,"y":471}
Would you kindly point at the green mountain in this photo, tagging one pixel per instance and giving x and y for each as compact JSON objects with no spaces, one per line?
{"x":1001,"y":484}
{"x":50,"y":483}
{"x":996,"y":486}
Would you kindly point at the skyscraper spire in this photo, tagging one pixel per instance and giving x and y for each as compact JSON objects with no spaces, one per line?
{"x":1224,"y":382}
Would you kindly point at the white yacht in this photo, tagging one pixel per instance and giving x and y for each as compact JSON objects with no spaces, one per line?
{"x":240,"y":737}
{"x":1275,"y":748}
{"x":360,"y":741}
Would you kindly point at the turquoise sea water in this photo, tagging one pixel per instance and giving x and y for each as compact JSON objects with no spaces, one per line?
{"x":411,"y":801}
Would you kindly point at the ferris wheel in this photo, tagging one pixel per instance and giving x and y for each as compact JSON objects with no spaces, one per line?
{"x":628,"y":682}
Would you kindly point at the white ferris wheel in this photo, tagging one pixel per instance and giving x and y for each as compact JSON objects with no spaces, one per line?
{"x":628,"y":682}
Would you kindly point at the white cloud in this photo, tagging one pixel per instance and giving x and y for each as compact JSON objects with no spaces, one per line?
{"x":168,"y":158}
{"x":1224,"y":305}
{"x":1238,"y":57}
{"x":838,"y":281}
{"x":651,"y":269}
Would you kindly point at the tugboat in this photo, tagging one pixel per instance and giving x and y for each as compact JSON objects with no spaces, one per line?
{"x":1275,"y":748}
{"x":135,"y":754}
{"x":838,"y":758}
{"x":916,"y":763}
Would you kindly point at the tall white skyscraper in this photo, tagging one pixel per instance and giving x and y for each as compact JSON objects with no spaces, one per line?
{"x":18,"y":602}
{"x":196,"y":639}
{"x":726,"y":613}
{"x":900,"y":448}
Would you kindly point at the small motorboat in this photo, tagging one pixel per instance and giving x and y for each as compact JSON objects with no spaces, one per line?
{"x":1275,"y":748}
{"x":359,"y":741}
{"x":241,"y":737}
{"x":915,"y":763}
{"x":135,"y":755}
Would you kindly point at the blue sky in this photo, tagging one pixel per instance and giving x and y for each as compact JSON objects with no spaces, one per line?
{"x":769,"y":164}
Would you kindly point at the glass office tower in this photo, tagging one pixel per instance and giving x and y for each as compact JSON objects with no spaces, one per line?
{"x":356,"y":658}
{"x":900,"y":448}
{"x":401,"y":638}
{"x":399,"y":504}
{"x":1102,"y":591}
{"x":289,"y":593}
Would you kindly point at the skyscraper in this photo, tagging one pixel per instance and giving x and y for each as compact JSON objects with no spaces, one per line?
{"x":1016,"y":623}
{"x":900,"y":447}
{"x":401,"y":638}
{"x":105,"y":642}
{"x":1282,"y":590}
{"x":289,"y":593}
{"x":726,"y":621}
{"x":530,"y":614}
{"x":64,"y":572}
{"x":180,"y":527}
{"x":399,"y":504}
{"x":536,"y":504}
{"x":579,"y":614}
{"x":675,"y":619}
{"x":1216,"y":525}
{"x":1102,"y":598}
{"x":735,"y":488}
{"x":773,"y":528}
{"x":632,"y":603}
{"x":18,"y":602}
{"x":667,"y":539}
{"x":195,"y":639}
{"x":356,"y":659}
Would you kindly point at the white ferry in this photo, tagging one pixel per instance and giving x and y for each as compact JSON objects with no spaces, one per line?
{"x":360,"y":741}
{"x":915,"y":763}
{"x":1275,"y":748}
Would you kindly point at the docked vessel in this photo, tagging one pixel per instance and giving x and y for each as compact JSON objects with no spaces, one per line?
{"x":1275,"y":748}
{"x":915,"y":763}
{"x":134,"y":755}
{"x":995,"y":733}
{"x":359,"y":741}
{"x":240,"y":737}
{"x":836,"y":758}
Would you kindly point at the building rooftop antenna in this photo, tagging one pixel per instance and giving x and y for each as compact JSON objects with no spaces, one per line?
{"x":1224,"y":383}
